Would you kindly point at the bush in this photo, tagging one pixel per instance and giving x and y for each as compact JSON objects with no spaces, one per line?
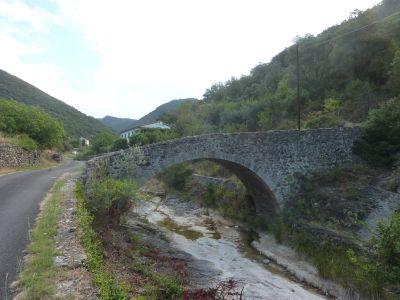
{"x":102,"y":142}
{"x":111,"y":198}
{"x":176,"y":176}
{"x":120,"y":144}
{"x":322,"y":120}
{"x":24,"y":141}
{"x":380,"y":140}
{"x":152,"y":135}
{"x":18,"y":118}
{"x":387,"y":246}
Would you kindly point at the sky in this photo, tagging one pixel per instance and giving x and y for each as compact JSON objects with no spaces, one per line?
{"x":126,"y":57}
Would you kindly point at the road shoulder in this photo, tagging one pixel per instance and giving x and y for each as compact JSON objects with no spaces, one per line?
{"x":67,"y":274}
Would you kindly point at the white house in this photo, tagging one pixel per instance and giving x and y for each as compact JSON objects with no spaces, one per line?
{"x":137,"y":129}
{"x":84,"y":142}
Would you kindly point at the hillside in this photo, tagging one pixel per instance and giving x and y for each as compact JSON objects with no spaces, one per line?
{"x":76,"y":124}
{"x":155,"y":115}
{"x":345,"y":71}
{"x":117,"y":124}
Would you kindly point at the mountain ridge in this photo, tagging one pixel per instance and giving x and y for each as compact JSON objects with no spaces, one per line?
{"x":151,"y":117}
{"x":76,"y":123}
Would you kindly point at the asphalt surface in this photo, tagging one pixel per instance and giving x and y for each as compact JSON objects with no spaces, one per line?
{"x":20,"y":195}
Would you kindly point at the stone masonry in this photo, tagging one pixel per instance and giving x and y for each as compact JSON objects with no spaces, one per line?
{"x":263,"y":161}
{"x":12,"y":156}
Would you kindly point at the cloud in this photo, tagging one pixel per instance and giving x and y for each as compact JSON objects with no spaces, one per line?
{"x":38,"y":19}
{"x":154,"y":51}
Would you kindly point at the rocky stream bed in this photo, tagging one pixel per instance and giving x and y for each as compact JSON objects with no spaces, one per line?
{"x":215,"y":250}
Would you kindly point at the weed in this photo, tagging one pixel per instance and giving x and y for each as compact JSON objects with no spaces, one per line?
{"x":38,"y":276}
{"x":109,"y":287}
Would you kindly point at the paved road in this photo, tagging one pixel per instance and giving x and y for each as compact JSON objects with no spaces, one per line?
{"x":20,"y":195}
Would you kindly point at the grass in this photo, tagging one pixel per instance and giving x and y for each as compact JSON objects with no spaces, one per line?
{"x":335,"y":262}
{"x":109,"y":287}
{"x":21,"y":140}
{"x":38,"y":276}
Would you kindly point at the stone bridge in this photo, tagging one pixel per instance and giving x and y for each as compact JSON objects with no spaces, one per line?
{"x":263,"y":161}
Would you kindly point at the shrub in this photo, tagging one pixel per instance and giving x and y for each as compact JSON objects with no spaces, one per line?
{"x":18,"y":118}
{"x":24,"y":141}
{"x":111,"y":198}
{"x":152,"y":135}
{"x":380,"y":140}
{"x":322,"y":120}
{"x":176,"y":176}
{"x":387,"y":246}
{"x":120,"y":144}
{"x":102,"y":142}
{"x":128,"y":161}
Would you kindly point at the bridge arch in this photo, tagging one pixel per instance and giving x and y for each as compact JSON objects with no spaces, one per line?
{"x":264,"y":199}
{"x":264,"y":161}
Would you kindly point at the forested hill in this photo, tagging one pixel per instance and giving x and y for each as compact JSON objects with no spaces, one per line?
{"x":344,"y":72}
{"x":76,"y":124}
{"x":117,"y":124}
{"x":154,"y":115}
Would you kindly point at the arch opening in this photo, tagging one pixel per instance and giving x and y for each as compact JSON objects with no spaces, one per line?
{"x":263,"y":198}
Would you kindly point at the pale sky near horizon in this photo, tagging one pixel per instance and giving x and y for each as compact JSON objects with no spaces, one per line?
{"x":126,"y":57}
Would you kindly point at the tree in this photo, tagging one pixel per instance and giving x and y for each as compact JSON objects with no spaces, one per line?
{"x":102,"y":142}
{"x":120,"y":144}
{"x":380,"y":140}
{"x":18,"y":118}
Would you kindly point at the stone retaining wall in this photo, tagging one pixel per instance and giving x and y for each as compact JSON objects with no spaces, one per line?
{"x":12,"y":156}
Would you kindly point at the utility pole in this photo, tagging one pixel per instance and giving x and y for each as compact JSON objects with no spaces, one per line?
{"x":298,"y":86}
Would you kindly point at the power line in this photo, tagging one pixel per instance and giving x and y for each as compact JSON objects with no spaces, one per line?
{"x":310,"y":45}
{"x":319,"y":44}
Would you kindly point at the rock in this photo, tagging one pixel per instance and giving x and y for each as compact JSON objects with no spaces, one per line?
{"x":61,"y":261}
{"x":266,"y":261}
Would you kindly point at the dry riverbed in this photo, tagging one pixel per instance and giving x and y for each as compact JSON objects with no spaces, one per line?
{"x":215,"y":249}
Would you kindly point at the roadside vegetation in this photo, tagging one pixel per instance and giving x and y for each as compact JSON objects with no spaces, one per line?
{"x":29,"y":127}
{"x":101,"y":210}
{"x":37,"y":279}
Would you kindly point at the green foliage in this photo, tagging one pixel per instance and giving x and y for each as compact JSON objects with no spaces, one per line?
{"x":167,"y":288}
{"x":120,"y":144}
{"x":387,"y":245}
{"x":111,"y":198}
{"x":150,"y":136}
{"x":340,"y":264}
{"x":340,"y":81}
{"x":235,"y":204}
{"x":23,"y":141}
{"x":176,"y":176}
{"x":321,"y":120}
{"x":109,"y":287}
{"x":17,"y":118}
{"x":102,"y":142}
{"x":76,"y":124}
{"x":128,"y":162}
{"x":380,"y":140}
